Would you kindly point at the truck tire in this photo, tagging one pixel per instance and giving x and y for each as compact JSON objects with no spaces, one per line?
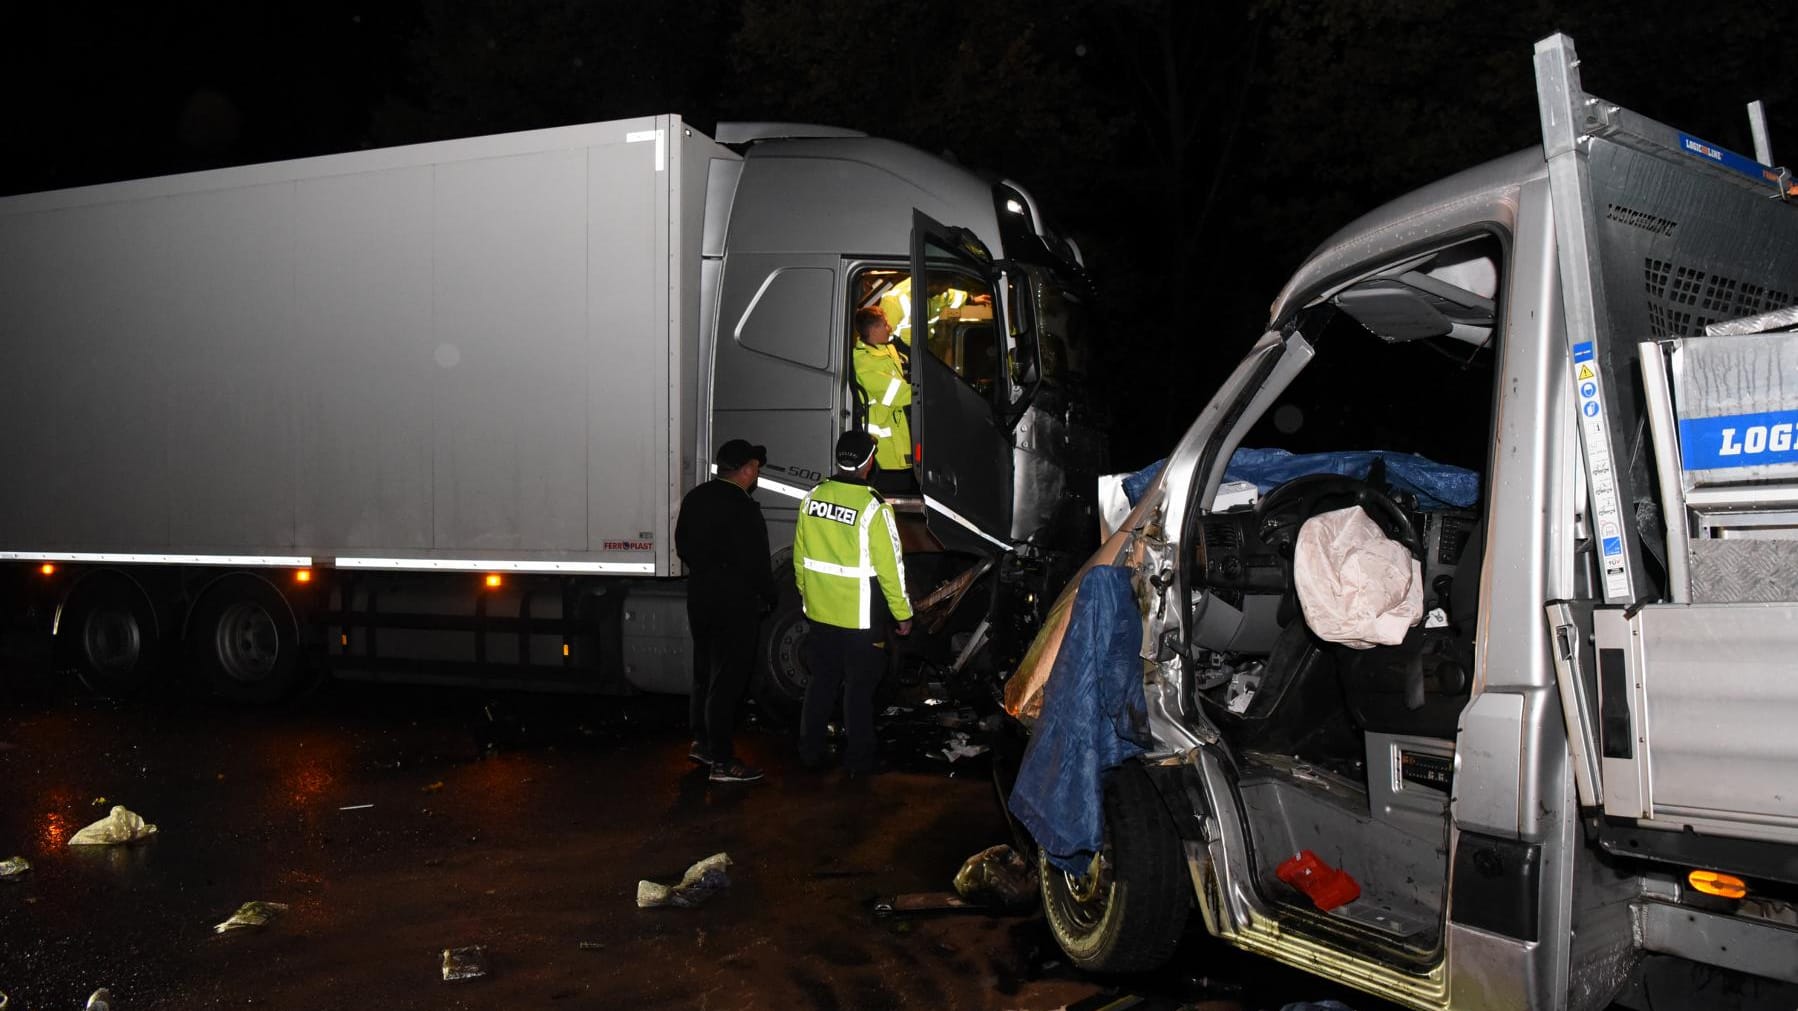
{"x":243,"y":638}
{"x":781,"y":674}
{"x":1128,"y":912}
{"x":108,"y":634}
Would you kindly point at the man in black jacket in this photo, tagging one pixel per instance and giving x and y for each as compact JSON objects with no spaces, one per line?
{"x":723,"y":541}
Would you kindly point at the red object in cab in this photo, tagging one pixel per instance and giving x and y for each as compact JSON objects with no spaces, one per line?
{"x":1326,"y":886}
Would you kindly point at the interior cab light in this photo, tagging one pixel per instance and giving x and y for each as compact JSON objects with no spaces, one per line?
{"x":47,"y":569}
{"x":1726,"y":886}
{"x":493,"y":580}
{"x":303,"y":576}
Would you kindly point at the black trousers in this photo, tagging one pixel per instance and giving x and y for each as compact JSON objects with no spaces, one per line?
{"x":853,"y":660}
{"x":723,"y":656}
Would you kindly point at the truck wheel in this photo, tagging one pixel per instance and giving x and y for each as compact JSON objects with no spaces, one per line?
{"x":1127,"y":913}
{"x":108,"y":634}
{"x":244,"y":638}
{"x":781,"y":676}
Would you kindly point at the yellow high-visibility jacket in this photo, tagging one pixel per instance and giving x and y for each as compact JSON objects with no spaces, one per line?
{"x":880,"y":370}
{"x":847,"y":541}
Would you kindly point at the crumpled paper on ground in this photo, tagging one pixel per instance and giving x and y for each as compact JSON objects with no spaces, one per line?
{"x":999,"y":876}
{"x":701,"y":881}
{"x":252,"y":914}
{"x":120,"y":827}
{"x":1357,"y":586}
{"x":12,"y":867}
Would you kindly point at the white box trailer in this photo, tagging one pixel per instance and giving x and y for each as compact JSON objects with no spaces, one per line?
{"x":430,"y":411}
{"x":476,"y":354}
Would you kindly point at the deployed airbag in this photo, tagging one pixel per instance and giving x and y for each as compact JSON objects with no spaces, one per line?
{"x":1357,"y":586}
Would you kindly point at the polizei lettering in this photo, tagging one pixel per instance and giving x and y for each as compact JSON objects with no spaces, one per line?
{"x":830,"y":511}
{"x":1756,"y":439}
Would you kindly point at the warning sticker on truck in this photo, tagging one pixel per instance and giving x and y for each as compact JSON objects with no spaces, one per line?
{"x":1607,"y":516}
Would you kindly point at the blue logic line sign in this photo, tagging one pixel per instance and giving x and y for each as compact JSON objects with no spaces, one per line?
{"x":1738,"y":440}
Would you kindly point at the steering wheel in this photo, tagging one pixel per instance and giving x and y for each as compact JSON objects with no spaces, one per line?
{"x":1279,"y":516}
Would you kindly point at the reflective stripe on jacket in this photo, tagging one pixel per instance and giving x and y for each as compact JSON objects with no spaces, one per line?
{"x":846,"y":541}
{"x":881,"y":375}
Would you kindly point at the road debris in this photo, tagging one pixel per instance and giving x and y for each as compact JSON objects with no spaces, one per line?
{"x":961,"y":746}
{"x":121,"y":827}
{"x":593,"y":946}
{"x":464,"y":963}
{"x":252,"y":914}
{"x":356,"y":807}
{"x":700,"y":883}
{"x":997,"y":876}
{"x":99,"y":802}
{"x":99,"y":1000}
{"x":11,"y":868}
{"x":431,"y":787}
{"x":925,"y":902}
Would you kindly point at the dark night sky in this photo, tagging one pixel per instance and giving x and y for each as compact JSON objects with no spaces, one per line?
{"x":1196,"y":150}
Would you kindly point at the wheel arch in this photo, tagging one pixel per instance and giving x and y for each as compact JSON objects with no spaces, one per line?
{"x":86,"y":579}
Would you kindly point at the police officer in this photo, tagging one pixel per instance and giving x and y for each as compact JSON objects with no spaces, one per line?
{"x":846,"y":555}
{"x":880,"y":372}
{"x":723,"y":541}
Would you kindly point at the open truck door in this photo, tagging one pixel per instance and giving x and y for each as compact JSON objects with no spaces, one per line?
{"x":961,"y":451}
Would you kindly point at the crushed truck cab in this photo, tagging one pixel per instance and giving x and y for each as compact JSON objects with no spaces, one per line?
{"x":1568,"y":780}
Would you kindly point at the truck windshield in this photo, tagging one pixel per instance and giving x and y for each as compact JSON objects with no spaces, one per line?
{"x":1063,"y":329}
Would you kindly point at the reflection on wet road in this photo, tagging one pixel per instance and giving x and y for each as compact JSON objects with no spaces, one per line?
{"x":397,"y":823}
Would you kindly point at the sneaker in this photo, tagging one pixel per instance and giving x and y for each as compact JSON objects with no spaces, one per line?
{"x":697,"y":756}
{"x":734,"y":772}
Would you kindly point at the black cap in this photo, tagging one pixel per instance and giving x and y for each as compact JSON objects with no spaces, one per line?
{"x":738,"y":452}
{"x":854,"y":449}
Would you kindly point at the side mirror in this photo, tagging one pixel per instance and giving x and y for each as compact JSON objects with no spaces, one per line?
{"x":1023,"y":353}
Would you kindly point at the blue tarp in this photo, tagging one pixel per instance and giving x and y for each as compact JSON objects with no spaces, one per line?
{"x":1137,"y":483}
{"x":1436,"y":485}
{"x":1092,"y":720}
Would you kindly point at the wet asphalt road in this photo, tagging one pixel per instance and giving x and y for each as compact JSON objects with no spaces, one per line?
{"x":522,"y":825}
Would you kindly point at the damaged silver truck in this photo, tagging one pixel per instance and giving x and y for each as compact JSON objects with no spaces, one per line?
{"x":1569,"y":780}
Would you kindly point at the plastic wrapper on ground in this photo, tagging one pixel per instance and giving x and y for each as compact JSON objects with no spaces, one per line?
{"x":997,"y":876}
{"x":702,"y":880}
{"x":251,"y":914}
{"x":12,"y":867}
{"x":121,"y":827}
{"x":464,"y":963}
{"x":99,"y":1000}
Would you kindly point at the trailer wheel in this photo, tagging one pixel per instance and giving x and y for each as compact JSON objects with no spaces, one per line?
{"x":1128,"y":911}
{"x":108,"y":634}
{"x":243,"y":636}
